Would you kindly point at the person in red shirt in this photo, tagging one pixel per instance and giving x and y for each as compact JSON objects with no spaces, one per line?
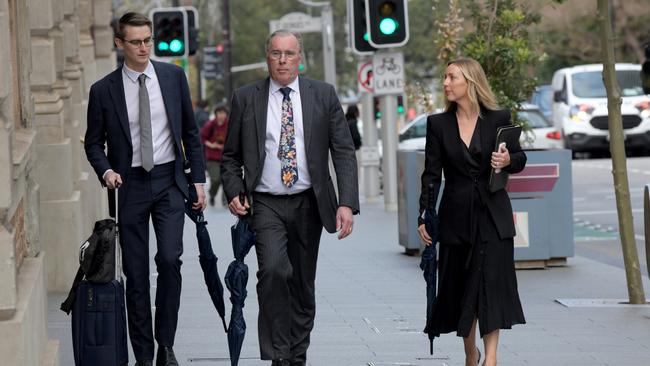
{"x":213,"y":137}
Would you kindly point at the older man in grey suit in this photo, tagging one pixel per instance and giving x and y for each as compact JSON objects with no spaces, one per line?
{"x":281,"y":131}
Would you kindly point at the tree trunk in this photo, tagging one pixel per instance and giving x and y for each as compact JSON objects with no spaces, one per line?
{"x":617,"y":149}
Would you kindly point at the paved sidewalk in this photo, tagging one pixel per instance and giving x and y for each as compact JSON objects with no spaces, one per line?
{"x":371,"y":308}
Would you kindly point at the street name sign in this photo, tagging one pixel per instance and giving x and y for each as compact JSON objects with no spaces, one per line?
{"x":297,"y":22}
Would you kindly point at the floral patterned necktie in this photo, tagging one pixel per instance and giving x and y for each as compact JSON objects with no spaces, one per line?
{"x":287,"y":148}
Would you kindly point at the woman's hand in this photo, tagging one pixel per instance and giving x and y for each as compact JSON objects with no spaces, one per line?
{"x":424,"y":235}
{"x":501,"y":158}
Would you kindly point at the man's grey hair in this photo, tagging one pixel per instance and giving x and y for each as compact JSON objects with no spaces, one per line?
{"x":282,"y":33}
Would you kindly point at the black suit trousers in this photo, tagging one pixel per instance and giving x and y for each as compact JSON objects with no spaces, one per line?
{"x":152,"y":195}
{"x":288,"y":230}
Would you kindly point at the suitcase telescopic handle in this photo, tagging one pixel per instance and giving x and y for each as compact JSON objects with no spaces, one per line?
{"x":113,"y":210}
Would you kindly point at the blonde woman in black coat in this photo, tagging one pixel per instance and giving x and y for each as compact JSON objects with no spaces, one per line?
{"x":477,"y":281}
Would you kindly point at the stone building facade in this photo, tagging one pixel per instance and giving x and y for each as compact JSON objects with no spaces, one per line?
{"x":49,"y":196}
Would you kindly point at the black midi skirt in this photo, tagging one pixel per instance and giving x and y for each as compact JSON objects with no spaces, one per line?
{"x":477,"y":281}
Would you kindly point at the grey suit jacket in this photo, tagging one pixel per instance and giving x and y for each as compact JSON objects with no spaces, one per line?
{"x":325,"y":131}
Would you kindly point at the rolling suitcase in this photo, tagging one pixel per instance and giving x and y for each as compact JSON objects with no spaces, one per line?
{"x":98,"y":310}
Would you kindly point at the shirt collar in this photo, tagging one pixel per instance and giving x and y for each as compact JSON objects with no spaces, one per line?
{"x":294,"y":85}
{"x":133,"y":75}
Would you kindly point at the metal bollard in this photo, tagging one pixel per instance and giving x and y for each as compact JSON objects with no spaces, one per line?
{"x":646,"y":220}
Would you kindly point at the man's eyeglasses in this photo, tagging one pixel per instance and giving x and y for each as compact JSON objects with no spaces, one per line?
{"x":288,"y":55}
{"x":137,"y":42}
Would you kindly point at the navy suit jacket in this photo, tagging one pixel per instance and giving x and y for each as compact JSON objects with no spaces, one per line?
{"x":326,"y":131}
{"x":108,"y":126}
{"x":444,"y":152}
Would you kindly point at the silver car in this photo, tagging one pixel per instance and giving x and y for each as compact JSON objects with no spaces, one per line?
{"x":542,"y":135}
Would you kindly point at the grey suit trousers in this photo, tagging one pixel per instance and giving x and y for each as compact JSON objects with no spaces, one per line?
{"x":288,"y":230}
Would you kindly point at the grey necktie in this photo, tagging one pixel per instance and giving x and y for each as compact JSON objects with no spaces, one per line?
{"x":146,"y":141}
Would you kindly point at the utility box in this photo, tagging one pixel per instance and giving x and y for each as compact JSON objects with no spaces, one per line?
{"x":410,"y":165}
{"x":542,"y":203}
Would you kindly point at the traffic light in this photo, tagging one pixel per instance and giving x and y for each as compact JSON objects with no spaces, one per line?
{"x":213,"y":62}
{"x":170,"y":32}
{"x":645,"y":70}
{"x":376,"y":107}
{"x":387,"y":23}
{"x":193,"y":29}
{"x":358,"y":28}
{"x":400,"y":104}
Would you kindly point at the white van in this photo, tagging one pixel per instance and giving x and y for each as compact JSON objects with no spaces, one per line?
{"x":580,"y":107}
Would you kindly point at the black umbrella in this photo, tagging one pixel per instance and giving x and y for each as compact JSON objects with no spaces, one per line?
{"x":243,"y":239}
{"x":207,"y":259}
{"x":429,"y":264}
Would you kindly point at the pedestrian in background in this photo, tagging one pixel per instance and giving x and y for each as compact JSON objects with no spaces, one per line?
{"x":142,"y":114}
{"x":201,"y":114}
{"x":281,"y":131}
{"x":476,"y":265}
{"x":213,"y":137}
{"x":352,"y":116}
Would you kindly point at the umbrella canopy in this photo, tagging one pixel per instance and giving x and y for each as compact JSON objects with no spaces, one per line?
{"x":243,"y":239}
{"x":429,"y":264}
{"x":207,"y":259}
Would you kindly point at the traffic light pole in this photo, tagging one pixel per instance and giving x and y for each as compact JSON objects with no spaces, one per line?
{"x":388,"y":107}
{"x":369,"y":153}
{"x":329,"y":54}
{"x":227,"y":51}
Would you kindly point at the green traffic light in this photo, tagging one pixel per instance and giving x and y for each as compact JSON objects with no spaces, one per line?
{"x":388,"y":26}
{"x":400,"y":109}
{"x":176,"y":46}
{"x":366,"y":36}
{"x":163,"y":46}
{"x":301,"y":67}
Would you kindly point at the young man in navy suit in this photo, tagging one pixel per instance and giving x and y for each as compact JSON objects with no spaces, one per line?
{"x":142,"y":113}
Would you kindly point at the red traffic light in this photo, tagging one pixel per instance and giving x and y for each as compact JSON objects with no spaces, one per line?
{"x":219,"y":48}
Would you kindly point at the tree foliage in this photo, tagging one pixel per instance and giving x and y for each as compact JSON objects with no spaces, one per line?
{"x":502,"y":44}
{"x":570,"y":33}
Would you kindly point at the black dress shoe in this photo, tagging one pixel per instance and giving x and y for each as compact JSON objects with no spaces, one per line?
{"x":298,"y":363}
{"x":166,"y":357}
{"x":144,"y":363}
{"x":280,"y":362}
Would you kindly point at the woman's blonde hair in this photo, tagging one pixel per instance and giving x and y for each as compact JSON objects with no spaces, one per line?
{"x":478,"y":89}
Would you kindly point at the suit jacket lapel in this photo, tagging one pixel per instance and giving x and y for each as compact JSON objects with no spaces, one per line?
{"x":306,"y":101}
{"x":486,"y":125}
{"x":260,"y":102}
{"x":119,"y":102}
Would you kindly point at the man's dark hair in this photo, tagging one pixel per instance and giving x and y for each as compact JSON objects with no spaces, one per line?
{"x":352,"y":112}
{"x":221,"y":107}
{"x":132,"y":19}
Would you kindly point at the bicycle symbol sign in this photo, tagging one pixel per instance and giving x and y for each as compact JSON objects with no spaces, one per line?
{"x":388,"y":72}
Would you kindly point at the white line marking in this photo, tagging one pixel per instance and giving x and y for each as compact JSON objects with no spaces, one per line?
{"x":604,"y":212}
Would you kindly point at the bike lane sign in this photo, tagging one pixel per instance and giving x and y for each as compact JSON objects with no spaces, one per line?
{"x":388,"y":73}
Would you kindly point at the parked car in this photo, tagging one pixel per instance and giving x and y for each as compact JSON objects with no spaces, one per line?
{"x":542,"y":134}
{"x":580,"y":107}
{"x":543,"y":98}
